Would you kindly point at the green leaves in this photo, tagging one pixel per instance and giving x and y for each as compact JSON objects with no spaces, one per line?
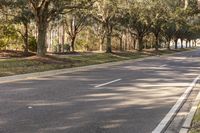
{"x":8,"y":35}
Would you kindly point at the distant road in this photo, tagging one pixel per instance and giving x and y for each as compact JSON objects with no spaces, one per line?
{"x":128,"y":98}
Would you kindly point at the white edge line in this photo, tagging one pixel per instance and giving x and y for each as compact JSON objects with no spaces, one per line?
{"x":107,"y":83}
{"x":171,"y":114}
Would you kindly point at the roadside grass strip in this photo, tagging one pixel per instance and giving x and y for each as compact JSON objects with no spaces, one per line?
{"x":187,"y":124}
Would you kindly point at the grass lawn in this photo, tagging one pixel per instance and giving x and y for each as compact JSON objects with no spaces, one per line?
{"x":20,"y":65}
{"x":196,"y":122}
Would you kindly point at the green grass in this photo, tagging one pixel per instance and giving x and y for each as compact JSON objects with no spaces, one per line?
{"x":196,"y":122}
{"x":14,"y":66}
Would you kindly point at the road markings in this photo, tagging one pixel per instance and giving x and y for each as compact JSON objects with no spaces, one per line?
{"x":29,"y":107}
{"x":171,"y":114}
{"x":108,"y":83}
{"x":163,"y":65}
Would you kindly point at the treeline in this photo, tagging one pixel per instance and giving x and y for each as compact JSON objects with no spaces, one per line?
{"x":67,"y":25}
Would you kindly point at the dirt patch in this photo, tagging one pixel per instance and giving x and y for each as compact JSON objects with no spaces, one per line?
{"x":13,"y":54}
{"x":49,"y":59}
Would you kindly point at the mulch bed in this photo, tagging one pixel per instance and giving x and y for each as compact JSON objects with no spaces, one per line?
{"x":13,"y":54}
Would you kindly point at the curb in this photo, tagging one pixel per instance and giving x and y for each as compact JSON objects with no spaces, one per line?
{"x":188,"y":122}
{"x":162,"y":126}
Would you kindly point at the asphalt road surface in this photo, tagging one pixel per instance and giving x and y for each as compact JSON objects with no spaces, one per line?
{"x":128,"y":98}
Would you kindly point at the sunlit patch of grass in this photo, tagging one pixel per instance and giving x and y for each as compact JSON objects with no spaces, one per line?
{"x":196,"y":122}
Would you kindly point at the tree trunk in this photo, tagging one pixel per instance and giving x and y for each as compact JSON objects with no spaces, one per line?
{"x":176,"y":43}
{"x":140,"y":43}
{"x":195,"y":43}
{"x":168,"y":44}
{"x":109,"y":43}
{"x":42,"y":31}
{"x":157,"y":43}
{"x":189,"y":43}
{"x":134,"y":43}
{"x":73,"y":39}
{"x":186,"y":2}
{"x":63,"y":38}
{"x":125,"y":43}
{"x":26,"y":43}
{"x":146,"y":44}
{"x":109,"y":37}
{"x":121,"y":44}
{"x":182,"y":43}
{"x":186,"y":44}
{"x":100,"y":46}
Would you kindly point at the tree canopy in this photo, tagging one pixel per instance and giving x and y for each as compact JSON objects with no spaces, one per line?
{"x":134,"y":22}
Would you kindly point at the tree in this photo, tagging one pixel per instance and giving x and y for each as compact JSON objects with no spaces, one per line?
{"x":105,"y":13}
{"x":120,"y":29}
{"x":169,"y":29}
{"x":19,"y":13}
{"x":99,"y":32}
{"x":146,"y":21}
{"x":159,"y":18}
{"x":47,"y":10}
{"x":140,"y":22}
{"x":24,"y":17}
{"x":8,"y":34}
{"x":180,"y":16}
{"x":75,"y":22}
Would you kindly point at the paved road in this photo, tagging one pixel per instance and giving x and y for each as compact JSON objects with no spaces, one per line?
{"x":140,"y":95}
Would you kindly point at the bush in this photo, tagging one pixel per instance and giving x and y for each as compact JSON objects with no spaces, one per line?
{"x":2,"y":44}
{"x":82,"y":45}
{"x":67,"y":47}
{"x":57,"y":48}
{"x":8,"y":36}
{"x":32,"y":44}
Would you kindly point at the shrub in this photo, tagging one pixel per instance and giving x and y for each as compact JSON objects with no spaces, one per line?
{"x":32,"y":44}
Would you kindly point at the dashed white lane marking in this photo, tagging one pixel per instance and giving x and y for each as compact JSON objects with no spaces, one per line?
{"x":29,"y":107}
{"x":163,"y":65}
{"x":108,"y":83}
{"x":170,"y":115}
